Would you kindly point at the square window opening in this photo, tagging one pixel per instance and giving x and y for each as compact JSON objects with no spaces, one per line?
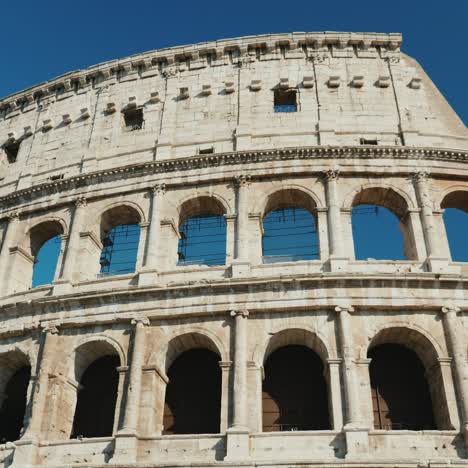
{"x":133,"y":119}
{"x":365,"y":141}
{"x":285,"y":100}
{"x":11,"y":150}
{"x":209,"y":150}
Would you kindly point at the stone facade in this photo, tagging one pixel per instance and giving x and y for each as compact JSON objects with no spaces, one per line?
{"x":370,"y":126}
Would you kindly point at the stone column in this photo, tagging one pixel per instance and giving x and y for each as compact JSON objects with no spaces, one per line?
{"x":9,"y":239}
{"x":130,"y":419}
{"x":454,"y":332}
{"x":238,"y":433}
{"x":335,"y":393}
{"x":431,"y":236}
{"x":225,"y":372}
{"x":152,"y":262}
{"x":335,"y":228}
{"x":73,"y":246}
{"x":349,"y":371}
{"x":126,"y":440}
{"x":39,"y":394}
{"x":230,"y":237}
{"x":357,"y":436}
{"x":241,"y":264}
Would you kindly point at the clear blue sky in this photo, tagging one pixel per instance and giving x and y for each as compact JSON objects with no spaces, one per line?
{"x":41,"y":40}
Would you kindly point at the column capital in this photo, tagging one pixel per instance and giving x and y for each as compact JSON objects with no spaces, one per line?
{"x":81,"y":202}
{"x":50,"y":328}
{"x":159,"y":189}
{"x":344,"y":308}
{"x":140,"y":320}
{"x":420,"y":176}
{"x":241,"y":313}
{"x":332,"y":173}
{"x":13,"y":216}
{"x":450,"y":309}
{"x":242,"y":180}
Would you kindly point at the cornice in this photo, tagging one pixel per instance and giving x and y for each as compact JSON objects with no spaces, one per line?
{"x":219,"y":52}
{"x":168,"y":166}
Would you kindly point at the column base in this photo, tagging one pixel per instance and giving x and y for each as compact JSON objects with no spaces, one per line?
{"x":240,"y":269}
{"x":357,"y":441}
{"x":62,"y":287}
{"x":441,"y":265}
{"x":237,"y":444}
{"x":125,"y":448}
{"x":26,"y":453}
{"x":338,"y":264}
{"x":148,"y":278}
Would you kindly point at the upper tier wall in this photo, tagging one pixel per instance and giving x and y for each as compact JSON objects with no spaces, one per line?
{"x":349,"y":87}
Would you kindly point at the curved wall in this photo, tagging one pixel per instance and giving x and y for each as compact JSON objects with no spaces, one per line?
{"x":370,"y":127}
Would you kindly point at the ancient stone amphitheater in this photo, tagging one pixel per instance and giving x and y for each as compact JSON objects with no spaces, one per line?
{"x":324,"y":360}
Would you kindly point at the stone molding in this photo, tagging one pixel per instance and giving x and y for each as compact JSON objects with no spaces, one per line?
{"x":169,"y":166}
{"x":171,"y":61}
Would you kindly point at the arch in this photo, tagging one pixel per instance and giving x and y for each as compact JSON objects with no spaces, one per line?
{"x":15,"y":374}
{"x":117,"y":213}
{"x":389,"y":196}
{"x":455,"y":196}
{"x":202,"y":203}
{"x":294,"y":390}
{"x":193,"y":394}
{"x":44,"y":230}
{"x":412,"y":336}
{"x":393,"y":229}
{"x":195,"y":338}
{"x":425,"y":348}
{"x":91,"y":348}
{"x":291,"y":336}
{"x":96,"y":379}
{"x":293,"y":192}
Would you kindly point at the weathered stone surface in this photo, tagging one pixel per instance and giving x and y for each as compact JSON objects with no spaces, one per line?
{"x":210,"y":133}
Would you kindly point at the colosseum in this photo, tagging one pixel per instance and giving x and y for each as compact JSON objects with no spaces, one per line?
{"x":174,"y":320}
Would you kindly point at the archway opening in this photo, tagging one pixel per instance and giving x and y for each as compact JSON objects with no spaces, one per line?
{"x":14,"y":405}
{"x":290,"y":227}
{"x":120,"y":236}
{"x":401,"y":397}
{"x":45,"y":246}
{"x":193,"y":394}
{"x":455,"y":207}
{"x":294,"y":393}
{"x":97,"y":397}
{"x":202,"y":231}
{"x":381,"y":229}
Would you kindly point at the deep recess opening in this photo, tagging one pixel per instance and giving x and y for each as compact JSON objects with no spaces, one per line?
{"x":285,"y":100}
{"x":133,"y":119}
{"x":193,"y":394}
{"x":97,"y":396}
{"x":14,"y":405}
{"x":294,"y":396}
{"x":12,"y":150}
{"x":400,"y":391}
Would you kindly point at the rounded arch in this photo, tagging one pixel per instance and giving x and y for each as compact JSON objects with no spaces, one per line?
{"x":117,"y":213}
{"x":10,"y":361}
{"x":202,"y":203}
{"x":393,"y":198}
{"x":288,"y":196}
{"x":43,"y":230}
{"x":291,"y":336}
{"x":410,"y":336}
{"x":193,"y":339}
{"x":455,"y":197}
{"x":90,"y":349}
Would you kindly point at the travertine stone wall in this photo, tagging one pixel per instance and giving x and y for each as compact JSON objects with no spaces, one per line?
{"x":80,"y":171}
